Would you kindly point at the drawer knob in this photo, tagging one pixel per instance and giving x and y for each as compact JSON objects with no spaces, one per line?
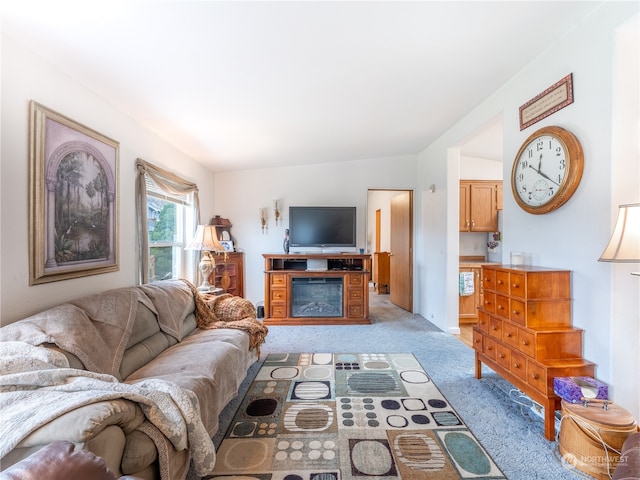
{"x":535,"y":376}
{"x":516,"y":285}
{"x":516,"y":312}
{"x":501,"y":307}
{"x":500,"y":282}
{"x":525,"y":343}
{"x":489,"y":347}
{"x":508,"y":335}
{"x":517,"y":365}
{"x":501,"y":355}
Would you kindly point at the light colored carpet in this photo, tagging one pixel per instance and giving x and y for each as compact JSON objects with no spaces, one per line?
{"x":511,"y":434}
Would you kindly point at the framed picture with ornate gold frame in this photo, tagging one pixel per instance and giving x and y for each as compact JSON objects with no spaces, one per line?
{"x":73,"y":198}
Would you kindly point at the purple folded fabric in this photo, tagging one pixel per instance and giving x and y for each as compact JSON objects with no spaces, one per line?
{"x":575,"y":389}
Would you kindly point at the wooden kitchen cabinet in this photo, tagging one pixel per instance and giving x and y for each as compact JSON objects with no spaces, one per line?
{"x":468,"y":305}
{"x":524,"y":332}
{"x":479,"y":204}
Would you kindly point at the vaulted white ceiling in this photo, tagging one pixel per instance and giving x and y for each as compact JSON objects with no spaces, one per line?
{"x":239,"y":85}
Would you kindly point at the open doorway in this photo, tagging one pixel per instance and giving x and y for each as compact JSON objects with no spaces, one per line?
{"x":480,"y":188}
{"x":481,"y":158}
{"x":390,"y":239}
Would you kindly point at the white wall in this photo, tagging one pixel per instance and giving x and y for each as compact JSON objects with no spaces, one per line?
{"x":472,"y":168}
{"x":625,"y":183}
{"x":241,"y":194}
{"x":26,"y":76}
{"x":571,"y":237}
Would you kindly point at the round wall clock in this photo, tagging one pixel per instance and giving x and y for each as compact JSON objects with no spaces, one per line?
{"x":547,"y":170}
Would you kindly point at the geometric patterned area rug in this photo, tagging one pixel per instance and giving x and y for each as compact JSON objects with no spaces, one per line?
{"x":348,"y":416}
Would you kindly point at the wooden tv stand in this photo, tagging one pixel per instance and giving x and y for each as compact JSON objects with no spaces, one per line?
{"x":346,"y":280}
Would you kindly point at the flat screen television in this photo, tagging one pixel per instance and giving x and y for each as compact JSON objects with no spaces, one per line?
{"x":323,"y":227}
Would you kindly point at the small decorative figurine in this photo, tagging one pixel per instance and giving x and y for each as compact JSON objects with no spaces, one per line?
{"x":285,"y":243}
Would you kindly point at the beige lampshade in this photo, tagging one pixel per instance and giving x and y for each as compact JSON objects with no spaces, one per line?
{"x":206,"y":238}
{"x":624,"y":245}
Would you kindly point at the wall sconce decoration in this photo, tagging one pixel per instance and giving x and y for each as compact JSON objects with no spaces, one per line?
{"x":263,"y":220}
{"x":624,"y":244}
{"x":276,"y":212}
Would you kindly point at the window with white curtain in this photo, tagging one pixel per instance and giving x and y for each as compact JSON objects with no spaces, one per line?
{"x":167,"y":208}
{"x":169,"y":218}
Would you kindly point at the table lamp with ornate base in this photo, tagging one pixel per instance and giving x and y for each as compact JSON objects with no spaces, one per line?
{"x":206,"y":240}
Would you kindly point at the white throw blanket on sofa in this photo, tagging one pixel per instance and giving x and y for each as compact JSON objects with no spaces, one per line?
{"x":36,"y":386}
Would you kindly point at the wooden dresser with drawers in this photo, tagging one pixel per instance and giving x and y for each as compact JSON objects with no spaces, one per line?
{"x":524,"y":332}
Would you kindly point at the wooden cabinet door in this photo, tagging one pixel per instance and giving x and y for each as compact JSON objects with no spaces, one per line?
{"x":480,"y":201}
{"x":229,"y":273}
{"x":465,"y":201}
{"x":484,"y":215}
{"x":468,"y":305}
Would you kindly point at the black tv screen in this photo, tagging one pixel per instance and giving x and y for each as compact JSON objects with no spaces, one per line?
{"x":322,"y":226}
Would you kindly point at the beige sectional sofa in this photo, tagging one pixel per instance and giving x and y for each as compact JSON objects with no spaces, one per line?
{"x":136,"y":375}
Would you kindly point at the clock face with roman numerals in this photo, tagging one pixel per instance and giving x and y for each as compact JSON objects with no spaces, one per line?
{"x":547,"y":170}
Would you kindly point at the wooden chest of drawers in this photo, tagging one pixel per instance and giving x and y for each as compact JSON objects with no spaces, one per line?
{"x":524,"y":332}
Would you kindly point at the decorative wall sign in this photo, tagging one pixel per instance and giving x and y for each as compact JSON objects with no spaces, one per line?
{"x":554,"y":98}
{"x":73,"y":198}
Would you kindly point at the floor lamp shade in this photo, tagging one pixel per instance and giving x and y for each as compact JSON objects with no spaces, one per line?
{"x":624,"y":244}
{"x":206,"y":240}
